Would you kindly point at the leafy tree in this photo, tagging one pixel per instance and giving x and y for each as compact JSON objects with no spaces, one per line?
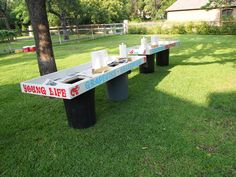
{"x":151,"y":7}
{"x":156,"y":8}
{"x":20,"y":11}
{"x":115,"y":9}
{"x":148,"y":9}
{"x":161,"y":13}
{"x":38,"y":17}
{"x":53,"y":20}
{"x":103,"y":11}
{"x":5,"y":12}
{"x":64,"y":9}
{"x":136,"y":9}
{"x":93,"y":12}
{"x":16,"y":13}
{"x":219,"y":3}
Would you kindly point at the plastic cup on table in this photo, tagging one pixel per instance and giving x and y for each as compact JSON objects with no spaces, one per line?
{"x":95,"y":60}
{"x":103,"y":57}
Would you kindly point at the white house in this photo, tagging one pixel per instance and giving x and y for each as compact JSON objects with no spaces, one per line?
{"x":191,"y":10}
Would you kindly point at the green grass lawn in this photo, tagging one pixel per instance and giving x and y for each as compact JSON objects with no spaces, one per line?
{"x":178,"y":121}
{"x":26,"y":41}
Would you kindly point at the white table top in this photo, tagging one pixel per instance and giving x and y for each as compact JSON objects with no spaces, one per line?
{"x":53,"y":84}
{"x":162,"y":45}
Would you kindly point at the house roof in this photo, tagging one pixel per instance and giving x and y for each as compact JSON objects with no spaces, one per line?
{"x":189,"y":5}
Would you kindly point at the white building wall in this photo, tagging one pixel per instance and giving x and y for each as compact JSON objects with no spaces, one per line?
{"x":194,"y":15}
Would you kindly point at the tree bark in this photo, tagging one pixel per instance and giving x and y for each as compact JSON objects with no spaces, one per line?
{"x":63,"y":25}
{"x":6,"y":19}
{"x":7,"y":24}
{"x":43,"y":42}
{"x":3,"y":10}
{"x":61,"y":16}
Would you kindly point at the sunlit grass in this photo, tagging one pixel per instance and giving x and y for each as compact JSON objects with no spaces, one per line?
{"x":178,"y":121}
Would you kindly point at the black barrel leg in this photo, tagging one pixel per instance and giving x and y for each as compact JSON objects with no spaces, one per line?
{"x":81,"y":110}
{"x":117,"y":88}
{"x":162,"y":58}
{"x":148,"y":67}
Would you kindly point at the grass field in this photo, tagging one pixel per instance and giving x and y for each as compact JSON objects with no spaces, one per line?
{"x":5,"y":48}
{"x":178,"y":121}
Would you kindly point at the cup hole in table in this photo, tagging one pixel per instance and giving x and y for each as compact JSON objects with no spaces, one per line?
{"x":73,"y":80}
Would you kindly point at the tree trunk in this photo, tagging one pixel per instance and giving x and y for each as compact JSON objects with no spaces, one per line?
{"x":6,"y":19}
{"x":3,"y":11}
{"x":63,"y":25}
{"x":43,"y":42}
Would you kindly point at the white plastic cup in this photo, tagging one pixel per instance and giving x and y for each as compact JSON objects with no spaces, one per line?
{"x":103,"y":57}
{"x":144,"y":43}
{"x":154,"y":40}
{"x":95,"y":60}
{"x":123,"y":50}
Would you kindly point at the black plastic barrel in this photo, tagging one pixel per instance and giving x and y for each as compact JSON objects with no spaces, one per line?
{"x":162,"y":58}
{"x":81,"y":110}
{"x":148,"y":67}
{"x":117,"y":88}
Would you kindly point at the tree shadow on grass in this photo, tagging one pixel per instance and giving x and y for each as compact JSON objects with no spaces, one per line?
{"x":225,"y":102}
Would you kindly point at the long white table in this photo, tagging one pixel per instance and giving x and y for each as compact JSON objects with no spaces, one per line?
{"x":76,"y":86}
{"x":161,"y":52}
{"x":72,"y":82}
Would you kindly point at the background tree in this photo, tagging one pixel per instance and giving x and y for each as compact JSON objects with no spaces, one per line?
{"x":139,"y":7}
{"x":74,"y":12}
{"x":116,"y":10}
{"x":5,"y":12}
{"x":43,"y":42}
{"x":148,"y":9}
{"x":161,"y":13}
{"x":220,"y":4}
{"x":156,"y":8}
{"x":103,"y":11}
{"x":151,"y":8}
{"x":63,"y":9}
{"x":19,"y":9}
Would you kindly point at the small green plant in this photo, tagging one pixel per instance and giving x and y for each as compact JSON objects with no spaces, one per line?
{"x":189,"y":28}
{"x":177,"y":29}
{"x":137,"y":30}
{"x":7,"y":35}
{"x":228,"y":28}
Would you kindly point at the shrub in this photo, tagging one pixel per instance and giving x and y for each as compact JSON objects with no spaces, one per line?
{"x":181,"y":29}
{"x":7,"y":35}
{"x":214,"y":30}
{"x":201,"y":28}
{"x":228,"y":28}
{"x":177,"y":29}
{"x":188,"y":28}
{"x":151,"y":30}
{"x":137,"y":30}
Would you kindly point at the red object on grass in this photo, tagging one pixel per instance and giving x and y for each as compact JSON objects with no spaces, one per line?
{"x":26,"y":49}
{"x":32,"y":48}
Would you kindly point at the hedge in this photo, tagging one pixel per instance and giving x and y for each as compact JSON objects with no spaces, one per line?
{"x":188,"y":28}
{"x":7,"y":35}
